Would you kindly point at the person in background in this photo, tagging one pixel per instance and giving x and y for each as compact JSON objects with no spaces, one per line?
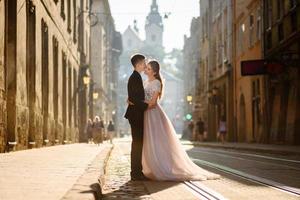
{"x":191,"y":130}
{"x":98,"y":130}
{"x":110,"y":131}
{"x":89,"y":130}
{"x":222,"y":129}
{"x":200,"y":129}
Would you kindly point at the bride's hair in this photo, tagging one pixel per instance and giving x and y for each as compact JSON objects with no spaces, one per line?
{"x":156,"y":68}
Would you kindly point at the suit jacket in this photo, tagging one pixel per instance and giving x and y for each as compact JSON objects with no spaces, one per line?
{"x":136,"y":94}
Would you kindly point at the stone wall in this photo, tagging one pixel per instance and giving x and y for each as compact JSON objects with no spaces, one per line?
{"x":39,"y":83}
{"x":2,"y":84}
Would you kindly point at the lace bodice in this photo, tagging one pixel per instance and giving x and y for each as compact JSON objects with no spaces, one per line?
{"x":151,"y":87}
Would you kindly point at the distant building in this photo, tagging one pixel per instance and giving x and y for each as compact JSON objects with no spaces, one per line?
{"x":215,"y":85}
{"x":152,"y":47}
{"x":191,"y":60}
{"x":154,"y":27}
{"x":172,"y":99}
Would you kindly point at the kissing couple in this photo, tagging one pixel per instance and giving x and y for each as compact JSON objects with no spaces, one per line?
{"x":156,"y":152}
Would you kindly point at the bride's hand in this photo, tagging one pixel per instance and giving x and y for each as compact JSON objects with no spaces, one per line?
{"x":151,"y":105}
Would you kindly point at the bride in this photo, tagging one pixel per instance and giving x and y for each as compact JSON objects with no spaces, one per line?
{"x":163,"y":157}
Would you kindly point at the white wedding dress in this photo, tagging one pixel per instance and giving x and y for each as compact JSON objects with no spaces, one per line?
{"x":164,"y":158}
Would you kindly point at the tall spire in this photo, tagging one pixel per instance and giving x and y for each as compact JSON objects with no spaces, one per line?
{"x":154,"y":6}
{"x":154,"y":16}
{"x":154,"y":3}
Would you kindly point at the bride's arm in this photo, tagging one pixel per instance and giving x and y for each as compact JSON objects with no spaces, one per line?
{"x":153,"y":101}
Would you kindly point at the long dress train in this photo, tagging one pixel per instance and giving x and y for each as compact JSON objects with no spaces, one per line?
{"x":164,"y":158}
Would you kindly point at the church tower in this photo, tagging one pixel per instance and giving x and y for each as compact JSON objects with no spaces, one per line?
{"x":154,"y":27}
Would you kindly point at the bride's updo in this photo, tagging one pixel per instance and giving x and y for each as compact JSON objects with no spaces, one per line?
{"x":156,"y":69}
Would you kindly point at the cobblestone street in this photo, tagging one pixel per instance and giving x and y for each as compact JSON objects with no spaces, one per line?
{"x":117,"y":182}
{"x":117,"y":185}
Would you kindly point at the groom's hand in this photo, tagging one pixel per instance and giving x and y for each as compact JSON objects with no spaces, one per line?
{"x":129,"y":102}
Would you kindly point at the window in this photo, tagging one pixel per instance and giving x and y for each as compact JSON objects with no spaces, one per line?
{"x":69,"y":15}
{"x":293,"y":4}
{"x":251,"y":30}
{"x":62,"y":9}
{"x":55,"y":76}
{"x":64,"y":93}
{"x":45,"y":78}
{"x":225,"y":35}
{"x":219,"y":50}
{"x":153,"y":38}
{"x":269,"y":10}
{"x":31,"y":65}
{"x":75,"y":97}
{"x":269,"y":39}
{"x":258,"y":25}
{"x":241,"y":39}
{"x":280,"y":7}
{"x":293,"y":18}
{"x":280,"y":32}
{"x":70,"y":94}
{"x":74,"y":22}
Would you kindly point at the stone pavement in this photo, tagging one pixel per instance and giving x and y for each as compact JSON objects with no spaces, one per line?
{"x":116,"y":184}
{"x":64,"y":171}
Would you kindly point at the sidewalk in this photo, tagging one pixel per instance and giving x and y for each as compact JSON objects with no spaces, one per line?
{"x":116,"y":184}
{"x":262,"y":148}
{"x":57,"y":172}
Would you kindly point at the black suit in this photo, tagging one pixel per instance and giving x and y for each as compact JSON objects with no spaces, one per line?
{"x":135,"y":116}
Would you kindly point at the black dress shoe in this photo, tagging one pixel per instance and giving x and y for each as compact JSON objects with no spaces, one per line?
{"x":135,"y":178}
{"x":144,"y":178}
{"x":139,"y":178}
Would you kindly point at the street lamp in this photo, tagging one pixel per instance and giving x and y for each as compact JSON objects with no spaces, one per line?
{"x":86,"y":80}
{"x":189,"y":98}
{"x":95,"y":95}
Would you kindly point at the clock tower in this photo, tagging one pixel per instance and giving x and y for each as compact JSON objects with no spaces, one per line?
{"x":154,"y":27}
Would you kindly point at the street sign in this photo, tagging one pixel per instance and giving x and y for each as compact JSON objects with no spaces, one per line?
{"x":260,"y":67}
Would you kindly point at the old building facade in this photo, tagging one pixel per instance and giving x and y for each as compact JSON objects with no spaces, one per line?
{"x":191,"y":60}
{"x":42,"y":48}
{"x":215,"y":66}
{"x":281,"y":44}
{"x":106,"y":47}
{"x":250,"y":101}
{"x":261,"y":108}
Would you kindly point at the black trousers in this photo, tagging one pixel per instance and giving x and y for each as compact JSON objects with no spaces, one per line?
{"x":137,"y":132}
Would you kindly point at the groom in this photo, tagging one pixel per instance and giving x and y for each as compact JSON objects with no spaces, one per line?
{"x":135,"y":115}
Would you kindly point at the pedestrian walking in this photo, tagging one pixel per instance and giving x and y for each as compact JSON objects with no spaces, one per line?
{"x":200,"y":130}
{"x":222,"y":129}
{"x":89,"y":130}
{"x":98,"y":130}
{"x":191,"y":130}
{"x":110,"y":131}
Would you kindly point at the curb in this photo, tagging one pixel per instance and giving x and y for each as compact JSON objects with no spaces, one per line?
{"x":282,"y":152}
{"x":101,"y":178}
{"x":86,"y":186}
